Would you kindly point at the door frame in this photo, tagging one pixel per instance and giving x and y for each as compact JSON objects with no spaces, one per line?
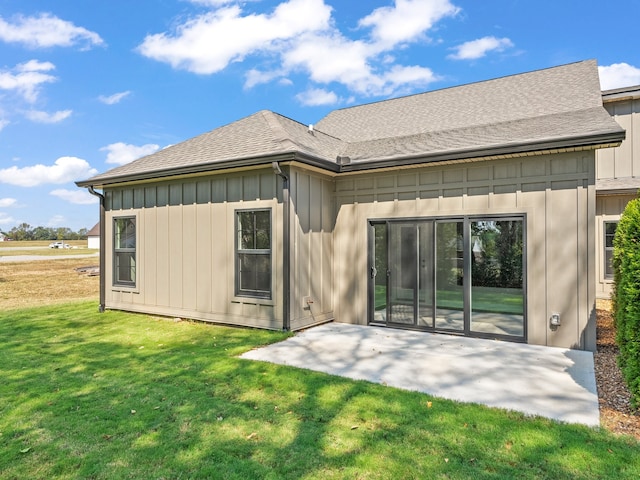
{"x":467,"y":268}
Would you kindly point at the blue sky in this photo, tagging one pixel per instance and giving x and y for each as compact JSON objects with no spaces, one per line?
{"x":86,"y":86}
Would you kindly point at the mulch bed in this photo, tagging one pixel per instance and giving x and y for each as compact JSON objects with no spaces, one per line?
{"x":616,"y":413}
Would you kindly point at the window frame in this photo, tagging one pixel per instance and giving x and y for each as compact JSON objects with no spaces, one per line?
{"x":117,"y":250}
{"x":607,"y":273}
{"x":238,"y":252}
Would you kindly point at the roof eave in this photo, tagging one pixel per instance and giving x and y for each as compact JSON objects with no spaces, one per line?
{"x":231,"y":164}
{"x":621,"y":94}
{"x":608,"y":139}
{"x":617,"y":191}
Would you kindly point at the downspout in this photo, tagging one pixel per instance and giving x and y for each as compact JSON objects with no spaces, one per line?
{"x":102,"y":247}
{"x":286,"y":248}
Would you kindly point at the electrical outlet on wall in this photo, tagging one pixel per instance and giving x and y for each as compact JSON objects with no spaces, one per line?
{"x":307,"y":302}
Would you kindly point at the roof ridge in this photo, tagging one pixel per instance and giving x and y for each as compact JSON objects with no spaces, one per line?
{"x":487,"y":80}
{"x":280,"y":135}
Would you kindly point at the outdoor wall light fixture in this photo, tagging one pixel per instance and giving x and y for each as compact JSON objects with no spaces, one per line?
{"x":555,"y":320}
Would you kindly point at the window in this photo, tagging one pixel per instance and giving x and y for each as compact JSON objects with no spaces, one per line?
{"x":253,"y":253}
{"x":609,"y":233}
{"x":124,"y":251}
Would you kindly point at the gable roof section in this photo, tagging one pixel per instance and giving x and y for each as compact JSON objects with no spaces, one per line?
{"x":558,"y":107}
{"x":263,"y":134}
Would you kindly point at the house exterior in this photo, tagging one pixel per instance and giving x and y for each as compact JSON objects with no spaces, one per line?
{"x":469,"y":210}
{"x":93,"y":237}
{"x":617,"y":179}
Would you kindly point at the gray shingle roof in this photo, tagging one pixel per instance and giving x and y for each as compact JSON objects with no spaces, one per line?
{"x":543,"y":92}
{"x":262,"y":134}
{"x":551,"y":108}
{"x":516,"y":135}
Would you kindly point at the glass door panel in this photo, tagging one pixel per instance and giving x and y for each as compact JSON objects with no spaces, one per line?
{"x":402,"y":268}
{"x":449,"y":275}
{"x":426,"y":274}
{"x":497,"y":287}
{"x":378,"y":274}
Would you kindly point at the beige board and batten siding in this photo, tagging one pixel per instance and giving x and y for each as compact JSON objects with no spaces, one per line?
{"x":312,"y":201}
{"x":186,"y":247}
{"x":622,"y":161}
{"x":555,"y":193}
{"x":620,"y":164}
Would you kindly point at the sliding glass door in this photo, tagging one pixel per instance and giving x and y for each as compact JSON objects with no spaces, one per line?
{"x":462,"y":275}
{"x":497,"y":287}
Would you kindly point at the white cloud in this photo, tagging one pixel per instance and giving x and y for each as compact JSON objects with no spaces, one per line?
{"x":3,"y":123}
{"x":316,"y":54}
{"x":78,"y":197}
{"x":64,"y":169}
{"x":122,"y":153}
{"x":301,"y":36}
{"x":413,"y":75}
{"x":46,"y":30}
{"x":475,"y":49}
{"x":407,"y":21}
{"x":57,"y":221}
{"x":113,"y":99}
{"x":6,"y":219}
{"x":7,"y":202}
{"x":352,"y":67}
{"x":45,"y":117}
{"x":618,"y":75}
{"x":233,"y":34}
{"x":255,"y":77}
{"x":26,"y":78}
{"x":317,"y":96}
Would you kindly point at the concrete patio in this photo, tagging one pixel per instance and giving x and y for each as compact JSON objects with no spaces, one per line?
{"x":556,"y":383}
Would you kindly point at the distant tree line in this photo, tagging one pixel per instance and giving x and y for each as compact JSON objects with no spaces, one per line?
{"x":24,"y":231}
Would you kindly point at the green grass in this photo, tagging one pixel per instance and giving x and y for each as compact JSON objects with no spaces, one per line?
{"x":119,"y":395}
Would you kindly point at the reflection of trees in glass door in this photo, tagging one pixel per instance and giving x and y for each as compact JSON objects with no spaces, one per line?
{"x":497,"y":280}
{"x":449,"y":275}
{"x":462,"y":275}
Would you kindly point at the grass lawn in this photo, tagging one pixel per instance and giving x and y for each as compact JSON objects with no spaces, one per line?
{"x":45,"y":281}
{"x":120,"y":395}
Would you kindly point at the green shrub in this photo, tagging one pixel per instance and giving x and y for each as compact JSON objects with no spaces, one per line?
{"x":626,"y":295}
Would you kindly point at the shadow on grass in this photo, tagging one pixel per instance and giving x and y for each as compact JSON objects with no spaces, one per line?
{"x":118,"y":395}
